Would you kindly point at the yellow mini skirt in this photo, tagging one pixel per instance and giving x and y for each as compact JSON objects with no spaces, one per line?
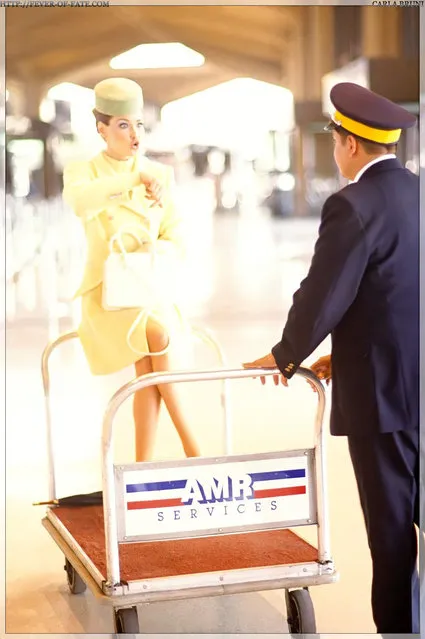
{"x":104,"y":334}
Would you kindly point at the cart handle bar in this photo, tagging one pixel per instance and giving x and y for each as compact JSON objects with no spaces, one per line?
{"x":155,"y":379}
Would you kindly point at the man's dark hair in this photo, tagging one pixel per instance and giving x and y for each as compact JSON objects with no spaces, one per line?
{"x":101,"y":117}
{"x":372,"y":148}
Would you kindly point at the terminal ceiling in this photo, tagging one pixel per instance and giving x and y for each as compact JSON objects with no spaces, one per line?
{"x":46,"y":46}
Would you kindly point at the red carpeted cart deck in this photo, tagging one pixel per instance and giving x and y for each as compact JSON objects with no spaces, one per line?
{"x":170,"y":558}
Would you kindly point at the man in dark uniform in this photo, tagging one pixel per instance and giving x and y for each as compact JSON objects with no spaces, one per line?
{"x":363,"y":289}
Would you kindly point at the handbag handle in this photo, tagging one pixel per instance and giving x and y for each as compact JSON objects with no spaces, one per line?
{"x":118,"y":237}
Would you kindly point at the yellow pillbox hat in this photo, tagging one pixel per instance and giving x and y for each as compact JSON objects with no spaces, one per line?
{"x":118,"y":97}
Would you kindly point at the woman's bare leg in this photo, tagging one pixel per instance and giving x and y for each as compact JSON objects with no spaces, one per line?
{"x":146,"y":407}
{"x":158,"y":340}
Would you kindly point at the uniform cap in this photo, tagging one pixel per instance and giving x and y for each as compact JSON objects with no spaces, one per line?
{"x":118,"y":97}
{"x":367,"y":114}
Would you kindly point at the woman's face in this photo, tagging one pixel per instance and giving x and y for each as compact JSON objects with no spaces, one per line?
{"x":122,"y":136}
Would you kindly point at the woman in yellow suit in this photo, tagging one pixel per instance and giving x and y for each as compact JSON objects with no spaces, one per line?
{"x":117,"y":189}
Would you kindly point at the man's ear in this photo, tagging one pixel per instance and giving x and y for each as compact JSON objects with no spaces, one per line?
{"x":353,"y":145}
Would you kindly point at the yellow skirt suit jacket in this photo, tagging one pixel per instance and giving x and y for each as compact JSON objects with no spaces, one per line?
{"x":107,"y":195}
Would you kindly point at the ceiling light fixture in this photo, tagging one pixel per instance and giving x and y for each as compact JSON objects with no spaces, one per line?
{"x":158,"y":56}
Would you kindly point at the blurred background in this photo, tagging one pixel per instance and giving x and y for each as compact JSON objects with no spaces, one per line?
{"x":236,"y":101}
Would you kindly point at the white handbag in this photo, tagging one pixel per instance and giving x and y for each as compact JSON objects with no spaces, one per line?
{"x":136,"y":279}
{"x":143,"y":280}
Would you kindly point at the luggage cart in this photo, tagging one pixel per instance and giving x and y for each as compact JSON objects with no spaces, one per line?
{"x":197,"y":527}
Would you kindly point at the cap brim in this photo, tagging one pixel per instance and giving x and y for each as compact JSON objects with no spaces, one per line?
{"x":330,"y":126}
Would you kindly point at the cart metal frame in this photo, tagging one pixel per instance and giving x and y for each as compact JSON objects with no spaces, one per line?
{"x":122,"y":594}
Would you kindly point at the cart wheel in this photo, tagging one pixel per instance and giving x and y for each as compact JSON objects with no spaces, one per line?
{"x":300,"y":612}
{"x":127,"y":621}
{"x":75,"y":583}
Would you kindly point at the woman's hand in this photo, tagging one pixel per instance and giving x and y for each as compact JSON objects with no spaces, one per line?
{"x":153,"y":188}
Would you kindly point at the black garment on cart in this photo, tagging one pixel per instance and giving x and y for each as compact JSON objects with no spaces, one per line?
{"x":363,"y":289}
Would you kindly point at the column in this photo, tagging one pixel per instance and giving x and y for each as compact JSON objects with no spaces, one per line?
{"x":314,"y":56}
{"x":381,"y":31}
{"x":318,"y":49}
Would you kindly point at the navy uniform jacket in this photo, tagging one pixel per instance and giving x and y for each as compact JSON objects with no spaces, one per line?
{"x":363,"y":288}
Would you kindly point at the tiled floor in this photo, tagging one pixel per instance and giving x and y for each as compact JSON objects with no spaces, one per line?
{"x":243,"y":270}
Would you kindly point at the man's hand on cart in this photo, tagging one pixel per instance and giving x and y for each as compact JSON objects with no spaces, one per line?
{"x":267,"y":362}
{"x":323,"y":369}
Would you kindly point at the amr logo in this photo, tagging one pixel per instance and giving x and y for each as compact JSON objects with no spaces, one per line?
{"x":213,"y":490}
